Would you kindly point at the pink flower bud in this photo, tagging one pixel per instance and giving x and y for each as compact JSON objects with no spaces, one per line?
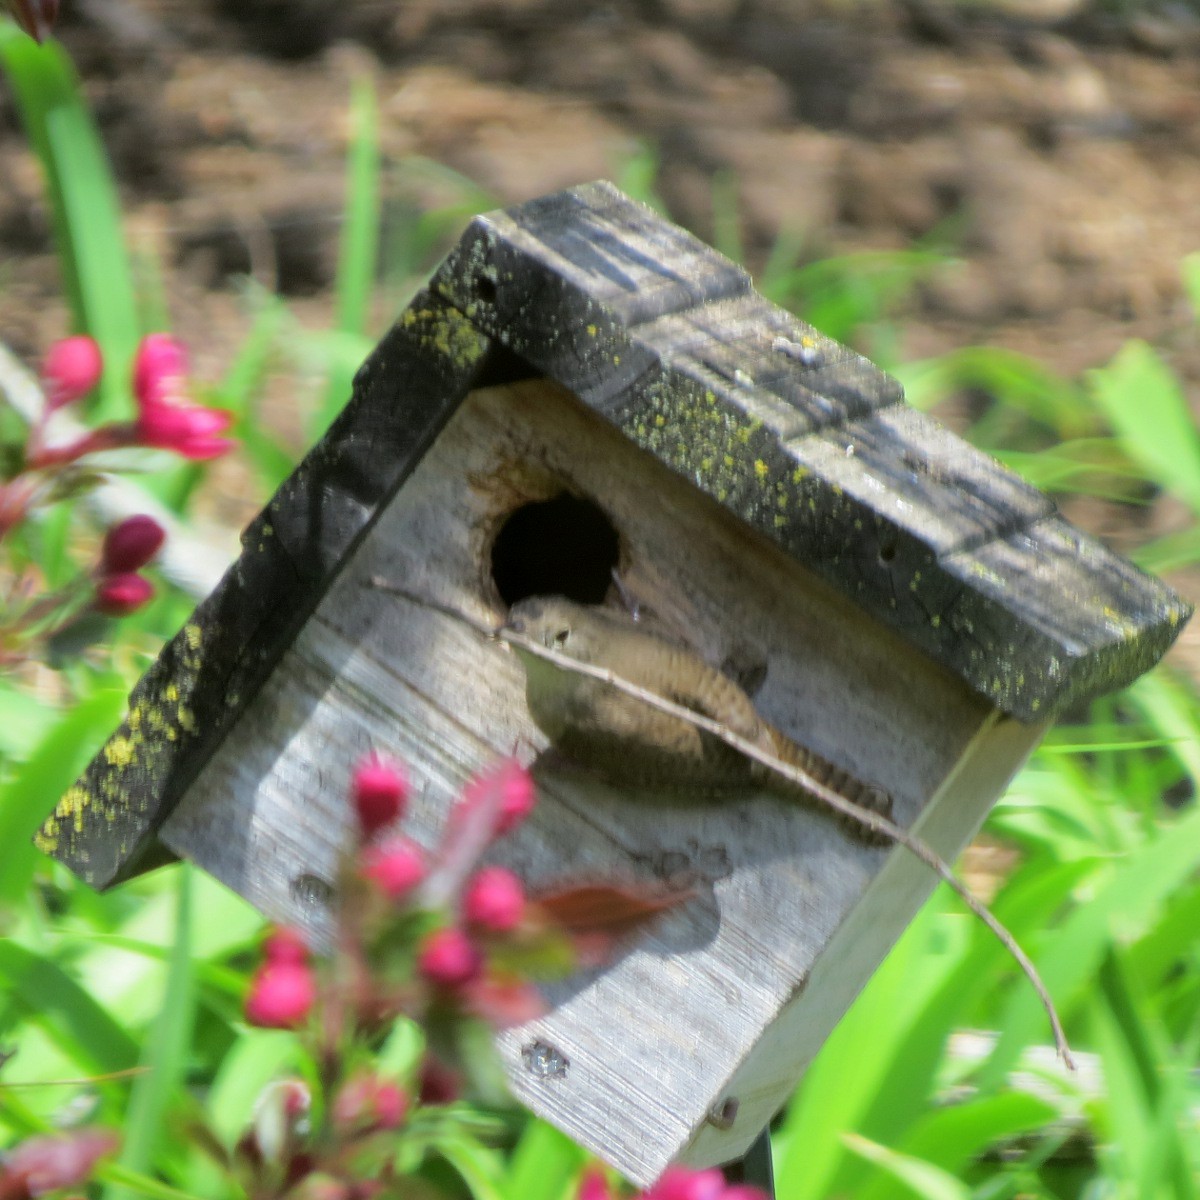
{"x":593,"y":1185}
{"x":448,"y":959}
{"x":378,"y":791}
{"x":159,"y":370}
{"x":281,"y":995}
{"x":684,"y":1183}
{"x":131,"y":544}
{"x":367,"y":1103}
{"x":395,"y":865}
{"x":120,"y":595}
{"x":285,"y":945}
{"x":494,"y":900}
{"x":71,"y":369}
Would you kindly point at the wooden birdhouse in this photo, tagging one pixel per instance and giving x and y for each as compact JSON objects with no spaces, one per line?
{"x":586,"y":394}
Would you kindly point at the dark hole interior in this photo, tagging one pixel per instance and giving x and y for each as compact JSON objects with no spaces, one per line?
{"x":565,"y":546}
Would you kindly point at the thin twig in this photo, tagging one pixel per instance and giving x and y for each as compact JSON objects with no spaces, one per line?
{"x":819,"y":791}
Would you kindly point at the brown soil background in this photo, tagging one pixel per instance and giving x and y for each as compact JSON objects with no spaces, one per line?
{"x":1060,"y":140}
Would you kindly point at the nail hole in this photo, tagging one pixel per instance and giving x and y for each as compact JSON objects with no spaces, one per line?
{"x":311,"y":891}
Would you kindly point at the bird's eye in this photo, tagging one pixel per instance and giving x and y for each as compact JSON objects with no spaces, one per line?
{"x":561,"y":637}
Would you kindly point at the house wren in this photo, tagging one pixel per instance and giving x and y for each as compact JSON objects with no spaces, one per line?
{"x":628,"y":742}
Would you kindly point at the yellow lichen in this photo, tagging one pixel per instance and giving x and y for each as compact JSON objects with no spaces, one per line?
{"x":73,"y":800}
{"x":120,"y":751}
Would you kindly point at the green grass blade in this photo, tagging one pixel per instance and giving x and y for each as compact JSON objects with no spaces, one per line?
{"x":97,"y":276}
{"x":360,"y":234}
{"x":920,"y":1178}
{"x":166,"y":1051}
{"x":359,"y":249}
{"x":1071,"y":954}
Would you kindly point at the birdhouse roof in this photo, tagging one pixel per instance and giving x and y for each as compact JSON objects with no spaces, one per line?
{"x":804,"y":440}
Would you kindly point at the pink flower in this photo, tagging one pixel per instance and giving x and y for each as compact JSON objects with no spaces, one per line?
{"x":281,"y":995}
{"x":285,"y":945}
{"x":494,"y":900}
{"x":45,"y":1164}
{"x":367,"y":1103}
{"x":395,"y":866}
{"x":379,"y":792}
{"x":189,"y":430}
{"x":122,"y":594}
{"x":71,"y":368}
{"x":448,"y":959}
{"x":166,"y":418}
{"x":131,"y":544}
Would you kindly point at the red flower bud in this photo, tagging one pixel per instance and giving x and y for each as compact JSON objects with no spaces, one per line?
{"x":285,"y":945}
{"x":378,"y":791}
{"x":685,"y":1183}
{"x":438,"y":1084}
{"x":120,"y":595}
{"x":71,"y":368}
{"x":448,"y":959}
{"x":281,"y":995}
{"x":494,"y":900}
{"x":593,"y":1186}
{"x":131,"y":544}
{"x":395,"y":866}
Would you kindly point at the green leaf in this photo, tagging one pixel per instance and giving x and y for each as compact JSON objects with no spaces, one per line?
{"x":479,"y":1168}
{"x":253,"y":1061}
{"x":1145,"y":404}
{"x":545,"y":1164}
{"x":71,"y":1018}
{"x":52,"y":768}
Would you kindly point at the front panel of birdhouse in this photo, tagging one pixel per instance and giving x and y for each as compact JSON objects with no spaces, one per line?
{"x":527,"y":484}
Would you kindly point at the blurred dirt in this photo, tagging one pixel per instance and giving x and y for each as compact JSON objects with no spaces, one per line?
{"x":1063,"y":158}
{"x":1058,"y":148}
